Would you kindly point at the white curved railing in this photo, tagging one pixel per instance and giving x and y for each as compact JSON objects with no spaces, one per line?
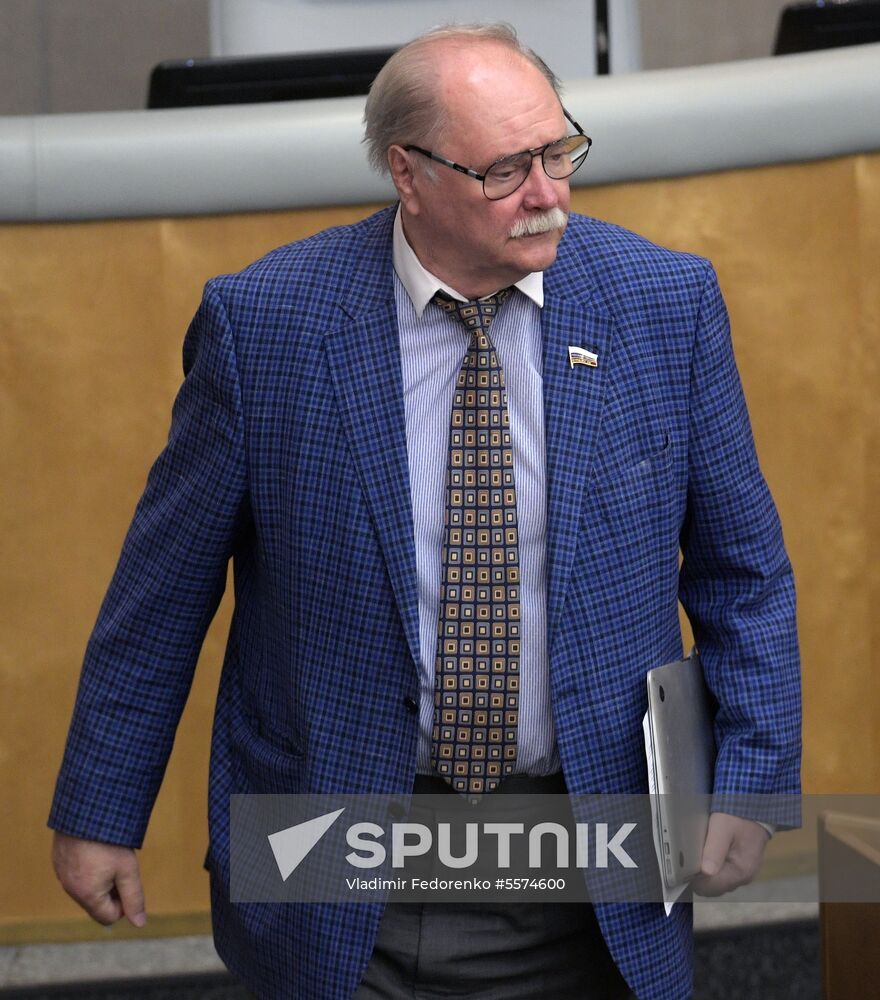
{"x":291,"y":155}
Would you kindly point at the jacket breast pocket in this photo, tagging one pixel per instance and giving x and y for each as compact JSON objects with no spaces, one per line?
{"x":642,"y":484}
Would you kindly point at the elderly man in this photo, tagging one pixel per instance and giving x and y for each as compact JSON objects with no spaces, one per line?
{"x":472,"y":408}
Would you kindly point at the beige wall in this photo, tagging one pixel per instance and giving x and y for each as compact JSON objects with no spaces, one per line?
{"x":693,"y":32}
{"x":96,"y":55}
{"x":91,"y":55}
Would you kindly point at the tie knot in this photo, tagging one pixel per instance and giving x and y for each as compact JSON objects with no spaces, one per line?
{"x":475,"y":315}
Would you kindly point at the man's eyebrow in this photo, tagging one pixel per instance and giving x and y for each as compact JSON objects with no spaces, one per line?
{"x":519,"y":152}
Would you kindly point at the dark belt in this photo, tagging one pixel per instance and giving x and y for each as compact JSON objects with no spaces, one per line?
{"x":513,"y":784}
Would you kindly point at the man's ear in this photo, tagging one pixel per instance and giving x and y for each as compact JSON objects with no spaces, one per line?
{"x":400,"y":164}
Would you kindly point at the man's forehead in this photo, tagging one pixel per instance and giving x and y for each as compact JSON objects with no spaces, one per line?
{"x":496,"y":101}
{"x":488,"y":136}
{"x":478,"y":69}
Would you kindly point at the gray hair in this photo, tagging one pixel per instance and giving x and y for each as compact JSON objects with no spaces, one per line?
{"x":403,"y":106}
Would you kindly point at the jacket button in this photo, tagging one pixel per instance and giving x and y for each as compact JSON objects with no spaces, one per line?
{"x":411,"y":704}
{"x":396,"y":810}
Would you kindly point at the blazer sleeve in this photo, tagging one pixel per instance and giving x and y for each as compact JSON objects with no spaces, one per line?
{"x":737,"y":587}
{"x":168,"y":582}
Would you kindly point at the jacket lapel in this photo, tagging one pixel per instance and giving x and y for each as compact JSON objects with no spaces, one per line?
{"x":364,"y":358}
{"x":369,"y":386}
{"x":573,"y":398}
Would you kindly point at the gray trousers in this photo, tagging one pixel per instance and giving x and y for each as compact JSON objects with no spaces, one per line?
{"x":491,"y":950}
{"x":500,"y":951}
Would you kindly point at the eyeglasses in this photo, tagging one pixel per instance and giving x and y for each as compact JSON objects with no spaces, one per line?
{"x":559,"y":159}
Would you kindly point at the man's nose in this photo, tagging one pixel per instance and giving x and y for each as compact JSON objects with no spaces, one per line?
{"x":539,"y":190}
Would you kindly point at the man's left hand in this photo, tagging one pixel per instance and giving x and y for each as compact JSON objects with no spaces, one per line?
{"x":732,"y":854}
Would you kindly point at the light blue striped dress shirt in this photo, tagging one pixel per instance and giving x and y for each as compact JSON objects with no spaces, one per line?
{"x":432,"y":348}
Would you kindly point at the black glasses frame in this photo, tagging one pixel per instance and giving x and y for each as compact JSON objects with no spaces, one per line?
{"x":537,"y":151}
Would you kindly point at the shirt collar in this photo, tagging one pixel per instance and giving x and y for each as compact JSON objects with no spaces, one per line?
{"x":421,"y":285}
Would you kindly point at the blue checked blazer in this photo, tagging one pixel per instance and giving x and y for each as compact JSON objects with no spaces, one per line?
{"x":287,"y":453}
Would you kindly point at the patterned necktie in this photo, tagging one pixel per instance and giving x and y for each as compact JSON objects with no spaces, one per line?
{"x":476,"y":694}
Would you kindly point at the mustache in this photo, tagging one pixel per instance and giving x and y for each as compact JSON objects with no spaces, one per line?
{"x":539,"y":222}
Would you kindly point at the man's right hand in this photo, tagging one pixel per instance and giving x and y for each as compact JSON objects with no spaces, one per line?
{"x":103,"y":878}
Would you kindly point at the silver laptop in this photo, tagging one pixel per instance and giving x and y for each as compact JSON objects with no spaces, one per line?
{"x":680,"y":714}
